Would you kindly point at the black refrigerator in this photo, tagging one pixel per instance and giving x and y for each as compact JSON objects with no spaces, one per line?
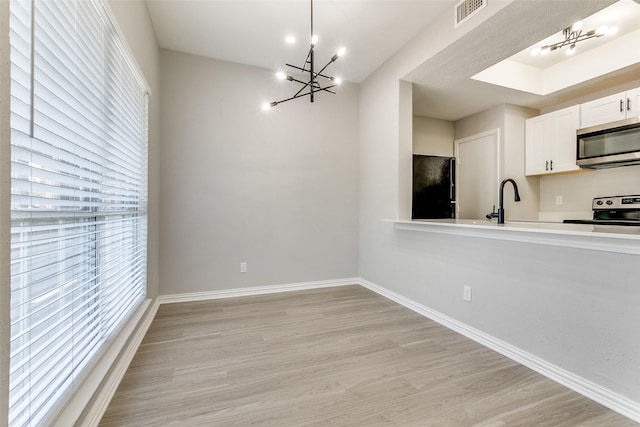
{"x":434,"y":187}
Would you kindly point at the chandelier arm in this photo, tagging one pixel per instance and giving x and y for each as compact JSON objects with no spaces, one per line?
{"x":323,"y":68}
{"x":291,"y":79}
{"x":313,"y":84}
{"x":574,"y":38}
{"x":304,"y":86}
{"x":326,"y":89}
{"x":307,"y":61}
{"x":308,"y":71}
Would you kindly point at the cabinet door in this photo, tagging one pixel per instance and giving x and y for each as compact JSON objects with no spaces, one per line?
{"x":534,"y":144}
{"x":633,"y":103}
{"x":566,"y":122}
{"x":603,"y":110}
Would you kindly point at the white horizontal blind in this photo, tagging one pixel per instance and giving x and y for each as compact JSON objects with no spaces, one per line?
{"x":79,"y":197}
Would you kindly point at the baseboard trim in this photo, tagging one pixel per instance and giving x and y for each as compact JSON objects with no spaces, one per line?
{"x":256,"y":290}
{"x":99,"y":406}
{"x":591,"y":390}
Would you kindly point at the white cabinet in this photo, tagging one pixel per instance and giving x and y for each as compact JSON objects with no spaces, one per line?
{"x":611,"y":108}
{"x":551,"y":142}
{"x":633,"y":97}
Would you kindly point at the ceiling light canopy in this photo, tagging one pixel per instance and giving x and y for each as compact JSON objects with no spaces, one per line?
{"x":572,"y":36}
{"x":313,"y":85}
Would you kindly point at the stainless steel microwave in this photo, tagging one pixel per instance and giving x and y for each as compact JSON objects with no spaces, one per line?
{"x":609,"y":145}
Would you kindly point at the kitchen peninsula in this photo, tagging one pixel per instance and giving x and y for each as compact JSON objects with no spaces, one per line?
{"x":616,"y":239}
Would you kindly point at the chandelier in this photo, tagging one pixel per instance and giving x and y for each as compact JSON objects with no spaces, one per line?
{"x":573,"y":35}
{"x":316,"y":81}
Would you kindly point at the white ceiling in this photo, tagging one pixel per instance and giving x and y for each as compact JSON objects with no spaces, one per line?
{"x":444,"y":88}
{"x":253,"y":31}
{"x":624,"y":15}
{"x":595,"y":57}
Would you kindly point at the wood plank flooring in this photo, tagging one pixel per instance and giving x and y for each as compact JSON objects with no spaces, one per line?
{"x":341,"y":356}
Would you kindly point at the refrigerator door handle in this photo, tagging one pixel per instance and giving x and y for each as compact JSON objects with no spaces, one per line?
{"x":452,"y":179}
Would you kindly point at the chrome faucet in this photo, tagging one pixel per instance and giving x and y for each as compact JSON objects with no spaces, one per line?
{"x":516,"y":197}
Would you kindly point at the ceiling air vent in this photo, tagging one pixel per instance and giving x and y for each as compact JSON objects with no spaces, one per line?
{"x":467,"y":8}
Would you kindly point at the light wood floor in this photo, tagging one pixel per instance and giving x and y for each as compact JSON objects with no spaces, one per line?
{"x":340,"y":356}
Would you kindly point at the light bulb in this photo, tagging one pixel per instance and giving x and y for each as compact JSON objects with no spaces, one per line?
{"x":611,"y":31}
{"x":280,"y":75}
{"x":314,"y":39}
{"x":602,"y":30}
{"x":267,"y":105}
{"x":341,"y":51}
{"x":535,"y":51}
{"x":577,"y":26}
{"x":571,"y":50}
{"x":337,"y":80}
{"x":290,"y":40}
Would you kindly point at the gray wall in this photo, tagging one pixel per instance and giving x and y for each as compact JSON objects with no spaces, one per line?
{"x":432,"y":137}
{"x":574,"y":308}
{"x":275,"y":189}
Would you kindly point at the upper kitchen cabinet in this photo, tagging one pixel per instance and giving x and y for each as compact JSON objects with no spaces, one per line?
{"x":551,"y":142}
{"x":611,"y":108}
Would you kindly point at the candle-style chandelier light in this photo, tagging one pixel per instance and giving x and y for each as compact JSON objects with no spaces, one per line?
{"x":315,"y":80}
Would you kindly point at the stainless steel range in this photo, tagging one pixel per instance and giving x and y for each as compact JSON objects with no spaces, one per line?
{"x":613,"y":210}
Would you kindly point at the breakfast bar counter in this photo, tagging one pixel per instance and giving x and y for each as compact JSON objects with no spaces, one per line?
{"x":619,"y":239}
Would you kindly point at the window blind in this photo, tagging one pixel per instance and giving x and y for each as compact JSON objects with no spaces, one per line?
{"x":78,"y":198}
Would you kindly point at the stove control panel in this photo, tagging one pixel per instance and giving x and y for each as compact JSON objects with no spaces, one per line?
{"x":616,"y":202}
{"x":631,"y":200}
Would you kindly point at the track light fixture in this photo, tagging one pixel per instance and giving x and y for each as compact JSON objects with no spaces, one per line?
{"x":315,"y":79}
{"x":573,"y":35}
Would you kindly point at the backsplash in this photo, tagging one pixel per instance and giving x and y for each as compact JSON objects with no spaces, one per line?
{"x":578,"y":189}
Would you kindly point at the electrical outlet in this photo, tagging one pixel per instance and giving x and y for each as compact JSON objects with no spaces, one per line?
{"x":243,"y":267}
{"x":466,"y":293}
{"x":558,"y":200}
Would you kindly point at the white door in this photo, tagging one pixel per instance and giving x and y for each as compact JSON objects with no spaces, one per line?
{"x":478,"y":174}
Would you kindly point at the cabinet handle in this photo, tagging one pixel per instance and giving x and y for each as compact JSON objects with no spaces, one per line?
{"x":551,"y":163}
{"x":621,"y":106}
{"x":628,"y":104}
{"x":546,"y":166}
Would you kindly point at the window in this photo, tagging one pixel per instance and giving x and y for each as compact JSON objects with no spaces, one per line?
{"x":78,"y":198}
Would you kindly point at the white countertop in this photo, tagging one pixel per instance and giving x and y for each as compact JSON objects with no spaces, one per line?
{"x":620,"y":239}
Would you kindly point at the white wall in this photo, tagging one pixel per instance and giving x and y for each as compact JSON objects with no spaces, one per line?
{"x":574,"y":308}
{"x":275,"y":189}
{"x":510,"y":120}
{"x":432,"y":137}
{"x":514,"y":162}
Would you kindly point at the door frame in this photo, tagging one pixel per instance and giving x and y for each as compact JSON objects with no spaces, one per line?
{"x":497,"y":151}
